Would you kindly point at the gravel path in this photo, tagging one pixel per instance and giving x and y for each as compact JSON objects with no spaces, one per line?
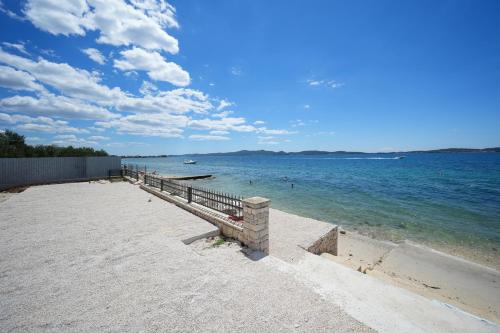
{"x":110,"y":258}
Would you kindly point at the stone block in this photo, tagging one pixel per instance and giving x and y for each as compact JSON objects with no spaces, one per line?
{"x":256,"y":202}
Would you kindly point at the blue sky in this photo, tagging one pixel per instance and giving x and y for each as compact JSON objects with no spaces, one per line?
{"x":151,"y":77}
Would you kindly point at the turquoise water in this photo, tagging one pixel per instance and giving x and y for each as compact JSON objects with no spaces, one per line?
{"x":450,"y":201}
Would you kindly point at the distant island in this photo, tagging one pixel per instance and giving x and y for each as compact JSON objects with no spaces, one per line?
{"x":142,"y":156}
{"x":324,"y":152}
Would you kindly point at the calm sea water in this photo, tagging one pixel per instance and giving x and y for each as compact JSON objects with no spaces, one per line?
{"x":450,"y":201}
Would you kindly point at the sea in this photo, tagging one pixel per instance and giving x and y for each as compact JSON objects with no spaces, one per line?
{"x":448,"y":201}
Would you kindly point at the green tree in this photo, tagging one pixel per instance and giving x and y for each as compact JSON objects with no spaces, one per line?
{"x":14,"y":145}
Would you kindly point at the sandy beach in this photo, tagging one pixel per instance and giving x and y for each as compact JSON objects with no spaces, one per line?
{"x":436,"y":275}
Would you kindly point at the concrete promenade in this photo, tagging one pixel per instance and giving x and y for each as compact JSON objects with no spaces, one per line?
{"x":103,"y":258}
{"x":91,"y":257}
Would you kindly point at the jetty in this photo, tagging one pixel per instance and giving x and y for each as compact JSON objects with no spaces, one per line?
{"x":195,"y":177}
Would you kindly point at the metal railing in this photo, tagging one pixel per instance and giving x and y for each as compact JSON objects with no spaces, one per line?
{"x":228,"y":204}
{"x":131,"y":173}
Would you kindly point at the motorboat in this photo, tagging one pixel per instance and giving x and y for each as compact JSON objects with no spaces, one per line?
{"x":189,"y":162}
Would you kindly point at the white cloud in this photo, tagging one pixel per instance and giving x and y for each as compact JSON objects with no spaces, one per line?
{"x":52,"y":105}
{"x":95,"y":55}
{"x":267,"y":140}
{"x":219,"y":133}
{"x":161,"y":125}
{"x":84,"y":88}
{"x":324,"y":133}
{"x":58,"y":17}
{"x":202,"y":137}
{"x":49,"y":52}
{"x":264,"y":130}
{"x":72,"y":140}
{"x":259,"y":122}
{"x":297,"y":123}
{"x":33,"y":139}
{"x":16,"y":46}
{"x":65,"y":136}
{"x":18,"y":80}
{"x":71,"y":81}
{"x":179,"y":100}
{"x":39,"y":124}
{"x":96,"y":129}
{"x":236,"y":71}
{"x":326,"y":83}
{"x":270,"y":140}
{"x":223,"y":124}
{"x":222,"y":114}
{"x":80,"y":94}
{"x":154,"y":64}
{"x":307,"y":106}
{"x":98,"y":138}
{"x":148,"y":88}
{"x":223,"y":104}
{"x":335,"y":84}
{"x":236,"y":124}
{"x":10,"y":13}
{"x":140,"y":23}
{"x":13,"y":119}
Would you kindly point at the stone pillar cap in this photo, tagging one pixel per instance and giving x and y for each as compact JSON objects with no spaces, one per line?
{"x":256,"y":202}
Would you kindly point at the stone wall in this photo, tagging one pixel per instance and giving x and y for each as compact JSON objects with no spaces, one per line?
{"x":326,"y":244}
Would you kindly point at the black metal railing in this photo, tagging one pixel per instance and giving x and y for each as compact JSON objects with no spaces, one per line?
{"x":131,"y":173}
{"x":223,"y":202}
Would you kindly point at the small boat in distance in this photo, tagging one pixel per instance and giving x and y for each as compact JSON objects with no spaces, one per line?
{"x":189,"y":162}
{"x":399,"y":157}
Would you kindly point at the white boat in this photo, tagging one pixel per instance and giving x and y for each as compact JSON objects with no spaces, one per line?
{"x":189,"y":162}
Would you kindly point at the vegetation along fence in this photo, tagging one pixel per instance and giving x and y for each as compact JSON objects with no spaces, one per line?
{"x":226,"y":203}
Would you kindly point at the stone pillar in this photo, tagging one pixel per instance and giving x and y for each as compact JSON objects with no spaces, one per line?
{"x":256,"y":223}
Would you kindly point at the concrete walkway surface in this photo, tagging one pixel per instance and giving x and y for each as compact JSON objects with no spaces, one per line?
{"x":90,"y":257}
{"x":110,"y":258}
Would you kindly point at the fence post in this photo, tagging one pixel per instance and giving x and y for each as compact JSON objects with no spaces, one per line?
{"x":137,"y":174}
{"x":190,"y":194}
{"x":256,"y":223}
{"x":161,"y":184}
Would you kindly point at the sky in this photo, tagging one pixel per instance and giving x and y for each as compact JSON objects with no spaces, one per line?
{"x":194,"y":76}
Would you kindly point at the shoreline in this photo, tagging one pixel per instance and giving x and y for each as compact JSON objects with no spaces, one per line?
{"x":488,"y":259}
{"x":435,"y":275}
{"x":424,"y":270}
{"x":466,"y":252}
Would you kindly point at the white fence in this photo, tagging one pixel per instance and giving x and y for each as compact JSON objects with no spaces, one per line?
{"x":43,"y":170}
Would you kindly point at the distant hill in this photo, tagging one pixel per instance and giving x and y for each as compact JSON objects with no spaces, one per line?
{"x":270,"y":152}
{"x":142,"y":156}
{"x":323,"y":152}
{"x":460,"y":150}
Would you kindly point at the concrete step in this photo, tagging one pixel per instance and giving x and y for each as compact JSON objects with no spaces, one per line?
{"x":382,"y":306}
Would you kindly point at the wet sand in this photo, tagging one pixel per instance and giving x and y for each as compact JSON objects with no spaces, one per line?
{"x":467,"y":285}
